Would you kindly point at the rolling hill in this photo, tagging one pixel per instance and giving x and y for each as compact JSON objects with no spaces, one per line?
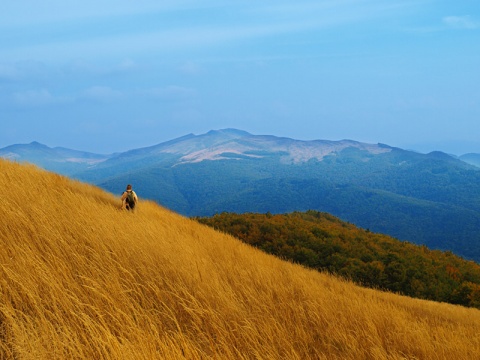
{"x":431,"y":199}
{"x":471,"y":158}
{"x":323,"y":242}
{"x":82,"y":279}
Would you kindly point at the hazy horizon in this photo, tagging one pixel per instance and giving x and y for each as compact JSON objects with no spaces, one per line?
{"x":115,"y":76}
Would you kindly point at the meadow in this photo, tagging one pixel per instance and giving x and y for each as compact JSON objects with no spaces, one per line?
{"x":82,"y":279}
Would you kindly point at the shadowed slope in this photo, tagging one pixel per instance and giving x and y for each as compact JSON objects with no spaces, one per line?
{"x":81,"y":279}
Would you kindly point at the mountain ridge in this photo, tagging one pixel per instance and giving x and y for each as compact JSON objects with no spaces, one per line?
{"x":295,"y":151}
{"x":209,"y":146}
{"x":202,"y":142}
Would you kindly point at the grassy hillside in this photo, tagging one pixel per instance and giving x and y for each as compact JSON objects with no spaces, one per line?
{"x":81,"y":279}
{"x":324,"y":242}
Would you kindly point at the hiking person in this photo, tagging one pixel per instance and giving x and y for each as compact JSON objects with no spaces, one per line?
{"x":129,"y":198}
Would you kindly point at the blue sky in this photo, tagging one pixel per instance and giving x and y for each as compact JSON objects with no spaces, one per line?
{"x":107,"y":76}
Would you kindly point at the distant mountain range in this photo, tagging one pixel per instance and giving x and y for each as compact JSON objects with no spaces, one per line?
{"x":61,"y":160}
{"x":431,"y":199}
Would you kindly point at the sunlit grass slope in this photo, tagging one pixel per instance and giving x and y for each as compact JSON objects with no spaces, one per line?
{"x":80,"y":279}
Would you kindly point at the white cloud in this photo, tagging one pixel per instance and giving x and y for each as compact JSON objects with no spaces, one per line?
{"x":85,"y":67}
{"x":190,"y":68}
{"x":107,"y":94}
{"x":57,"y":11}
{"x":461,"y":22}
{"x":8,"y":72}
{"x":33,"y":98}
{"x":101,"y":94}
{"x":170,"y":93}
{"x":135,"y":40}
{"x":21,"y":70}
{"x":126,"y":65}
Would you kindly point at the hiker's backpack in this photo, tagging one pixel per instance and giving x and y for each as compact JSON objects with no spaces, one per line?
{"x":130,"y":199}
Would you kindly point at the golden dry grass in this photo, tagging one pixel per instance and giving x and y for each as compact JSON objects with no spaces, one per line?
{"x":80,"y":279}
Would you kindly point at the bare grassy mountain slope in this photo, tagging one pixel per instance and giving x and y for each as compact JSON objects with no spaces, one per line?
{"x":81,"y":279}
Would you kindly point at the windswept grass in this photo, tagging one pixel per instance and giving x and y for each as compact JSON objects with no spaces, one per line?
{"x":80,"y":279}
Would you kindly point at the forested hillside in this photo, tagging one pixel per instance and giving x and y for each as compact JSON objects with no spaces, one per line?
{"x":323,"y":242}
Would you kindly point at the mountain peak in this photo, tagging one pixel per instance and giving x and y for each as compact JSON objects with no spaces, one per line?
{"x":229,"y":132}
{"x":36,"y":144}
{"x":439,"y":155}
